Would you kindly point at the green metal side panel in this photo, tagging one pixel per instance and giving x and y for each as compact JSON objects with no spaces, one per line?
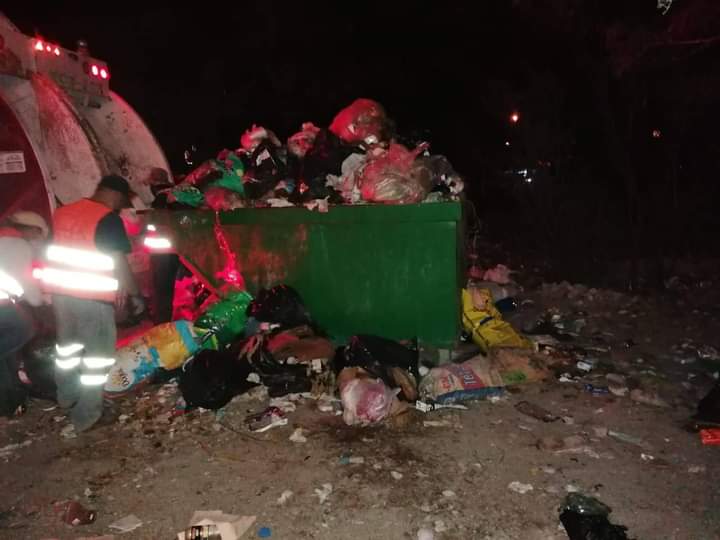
{"x":391,"y":271}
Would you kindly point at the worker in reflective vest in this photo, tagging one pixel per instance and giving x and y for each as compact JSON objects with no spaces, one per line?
{"x":17,"y":288}
{"x":87,"y":271}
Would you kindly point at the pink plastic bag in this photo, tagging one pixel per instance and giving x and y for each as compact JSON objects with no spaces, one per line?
{"x":391,"y":177}
{"x":300,"y":143}
{"x":363,"y":120}
{"x":366,"y":401}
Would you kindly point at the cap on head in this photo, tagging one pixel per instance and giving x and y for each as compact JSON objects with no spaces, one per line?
{"x":30,"y":219}
{"x":116,"y":183}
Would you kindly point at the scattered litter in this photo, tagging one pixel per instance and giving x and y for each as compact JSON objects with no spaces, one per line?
{"x":217,"y":525}
{"x":426,"y":407}
{"x":7,"y":451}
{"x":619,"y":391}
{"x":647,"y":457}
{"x":440,"y":526}
{"x":596,"y":390}
{"x":268,"y":419}
{"x":285,"y":497}
{"x":535,"y":411}
{"x":298,"y":437}
{"x":570,"y":488}
{"x":697,"y":469}
{"x":438,"y":423}
{"x":127,"y":524}
{"x":324,"y":492}
{"x":425,"y":534}
{"x":264,"y":532}
{"x":639,"y":396}
{"x":351,"y":460}
{"x":548,"y":470}
{"x":448,"y":494}
{"x":710,"y":437}
{"x":519,"y":487}
{"x":585,"y":517}
{"x":73,"y":513}
{"x":600,"y":432}
{"x":630,"y":439}
{"x":396,"y":475}
{"x":68,"y":432}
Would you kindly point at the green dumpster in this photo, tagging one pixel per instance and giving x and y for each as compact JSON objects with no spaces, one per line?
{"x":392,"y":271}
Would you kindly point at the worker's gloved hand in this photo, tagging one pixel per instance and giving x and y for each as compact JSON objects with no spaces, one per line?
{"x":137,"y":305}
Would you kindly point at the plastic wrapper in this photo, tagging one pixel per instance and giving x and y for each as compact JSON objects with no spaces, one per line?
{"x":187,"y":195}
{"x":301,"y":143}
{"x":390,"y":177}
{"x":205,"y":173}
{"x":443,"y":177}
{"x":252,"y":138}
{"x":364,"y":120}
{"x":226,"y":318}
{"x":474,"y":379}
{"x":233,"y":170}
{"x":346,"y":183}
{"x":365,"y":400}
{"x":165,"y":346}
{"x":265,"y":171}
{"x":482,"y":319}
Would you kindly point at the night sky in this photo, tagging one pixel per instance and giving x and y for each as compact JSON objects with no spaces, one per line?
{"x":205,"y":74}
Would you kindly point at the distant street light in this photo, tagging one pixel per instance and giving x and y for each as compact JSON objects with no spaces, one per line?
{"x":514,"y":117}
{"x":507,"y":143}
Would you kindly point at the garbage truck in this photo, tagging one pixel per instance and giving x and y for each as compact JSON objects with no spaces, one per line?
{"x":62,"y":127}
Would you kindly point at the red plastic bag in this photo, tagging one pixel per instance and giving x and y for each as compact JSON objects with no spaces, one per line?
{"x":391,"y":177}
{"x":362,"y":121}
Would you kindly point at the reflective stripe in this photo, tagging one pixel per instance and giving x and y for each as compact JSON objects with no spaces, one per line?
{"x":151,"y":227}
{"x":80,"y":258}
{"x":157,"y":242}
{"x":9,"y":286}
{"x":79,"y":281}
{"x":97,"y":362}
{"x":69,"y":349}
{"x":68,"y":363}
{"x":93,"y":380}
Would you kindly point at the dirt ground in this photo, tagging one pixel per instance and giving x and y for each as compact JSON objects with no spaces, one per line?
{"x":452,"y":478}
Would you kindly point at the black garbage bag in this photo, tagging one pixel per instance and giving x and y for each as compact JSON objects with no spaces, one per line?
{"x":325,"y":157}
{"x":37,"y":373}
{"x":280,"y":379}
{"x":586,"y":518}
{"x":708,"y":410}
{"x":212,"y":378}
{"x":280,"y":305}
{"x":378,"y":356}
{"x":265,"y":167}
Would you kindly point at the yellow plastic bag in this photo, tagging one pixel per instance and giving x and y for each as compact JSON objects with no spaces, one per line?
{"x":482,"y":319}
{"x":174,"y":343}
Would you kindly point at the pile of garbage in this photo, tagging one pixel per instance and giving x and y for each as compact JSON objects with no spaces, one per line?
{"x":239,"y":342}
{"x":357,"y":160}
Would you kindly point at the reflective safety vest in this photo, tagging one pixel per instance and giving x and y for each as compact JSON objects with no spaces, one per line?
{"x":73,"y":264}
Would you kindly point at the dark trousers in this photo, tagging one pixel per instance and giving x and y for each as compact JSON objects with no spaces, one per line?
{"x":164,"y":269}
{"x":16,"y":330}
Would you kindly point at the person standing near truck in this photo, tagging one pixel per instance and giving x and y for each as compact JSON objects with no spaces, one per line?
{"x":17,"y":287}
{"x":87,"y":272}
